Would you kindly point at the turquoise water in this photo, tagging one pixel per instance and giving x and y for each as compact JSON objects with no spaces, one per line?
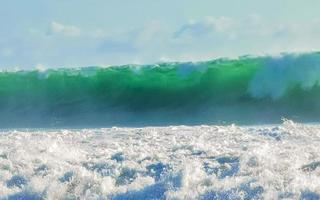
{"x":248,"y":90}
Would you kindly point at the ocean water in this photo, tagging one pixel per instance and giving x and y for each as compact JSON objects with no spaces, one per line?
{"x":190,"y":131}
{"x":173,"y":162}
{"x":247,"y":90}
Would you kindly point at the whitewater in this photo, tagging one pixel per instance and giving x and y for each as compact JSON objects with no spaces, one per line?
{"x":179,"y":131}
{"x":174,"y":162}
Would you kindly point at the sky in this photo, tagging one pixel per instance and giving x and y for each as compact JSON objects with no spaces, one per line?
{"x":76,"y":33}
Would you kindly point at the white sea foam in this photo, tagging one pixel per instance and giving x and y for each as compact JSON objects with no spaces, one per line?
{"x":180,"y":162}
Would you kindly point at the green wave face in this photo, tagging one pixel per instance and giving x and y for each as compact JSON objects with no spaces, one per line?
{"x":246,"y":90}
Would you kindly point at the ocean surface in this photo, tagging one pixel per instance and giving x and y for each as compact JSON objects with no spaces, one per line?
{"x":173,"y":162}
{"x":247,"y":90}
{"x":179,"y":131}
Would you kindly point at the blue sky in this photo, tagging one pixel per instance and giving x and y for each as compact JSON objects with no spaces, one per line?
{"x":72,"y":33}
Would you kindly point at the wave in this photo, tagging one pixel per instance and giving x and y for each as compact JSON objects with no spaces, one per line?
{"x":248,"y":90}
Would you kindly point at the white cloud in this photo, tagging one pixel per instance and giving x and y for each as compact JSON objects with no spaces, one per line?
{"x":67,"y":30}
{"x":209,"y":25}
{"x":222,"y":24}
{"x":228,"y":37}
{"x":150,"y":33}
{"x":204,"y":39}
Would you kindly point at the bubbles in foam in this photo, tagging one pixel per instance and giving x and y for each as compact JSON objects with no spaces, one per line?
{"x":180,"y":162}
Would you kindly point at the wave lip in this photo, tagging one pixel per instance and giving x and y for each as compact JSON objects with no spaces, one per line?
{"x":248,"y":90}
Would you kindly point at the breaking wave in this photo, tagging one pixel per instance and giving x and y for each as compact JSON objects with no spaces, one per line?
{"x":248,"y":90}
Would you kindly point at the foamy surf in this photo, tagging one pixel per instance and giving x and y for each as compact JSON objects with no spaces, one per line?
{"x":176,"y":162}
